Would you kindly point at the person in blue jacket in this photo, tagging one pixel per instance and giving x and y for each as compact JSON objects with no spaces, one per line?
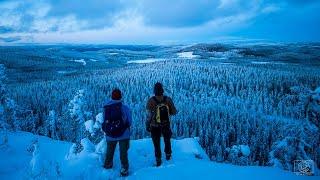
{"x":124,"y":139}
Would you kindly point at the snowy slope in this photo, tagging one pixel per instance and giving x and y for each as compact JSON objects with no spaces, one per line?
{"x":53,"y":161}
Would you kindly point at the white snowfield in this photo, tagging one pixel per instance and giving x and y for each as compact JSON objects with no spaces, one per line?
{"x":82,"y":61}
{"x":187,"y":55}
{"x":145,"y":61}
{"x":52,"y":160}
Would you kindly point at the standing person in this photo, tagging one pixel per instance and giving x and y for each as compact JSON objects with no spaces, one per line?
{"x":160,"y":108}
{"x":116,"y":125}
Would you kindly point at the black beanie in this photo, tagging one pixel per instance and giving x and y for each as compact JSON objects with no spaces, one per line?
{"x":116,"y":94}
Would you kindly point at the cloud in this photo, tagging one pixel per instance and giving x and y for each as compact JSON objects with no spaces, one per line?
{"x":129,"y":27}
{"x":270,"y":9}
{"x":10,"y":39}
{"x":59,"y":15}
{"x":6,"y":29}
{"x":135,"y":20}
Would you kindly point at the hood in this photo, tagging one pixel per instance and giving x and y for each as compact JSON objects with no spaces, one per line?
{"x":109,"y":102}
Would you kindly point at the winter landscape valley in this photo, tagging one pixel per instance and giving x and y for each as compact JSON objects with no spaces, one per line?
{"x":245,"y":110}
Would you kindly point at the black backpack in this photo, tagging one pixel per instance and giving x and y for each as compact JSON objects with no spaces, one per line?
{"x":113,"y":124}
{"x":162,"y":111}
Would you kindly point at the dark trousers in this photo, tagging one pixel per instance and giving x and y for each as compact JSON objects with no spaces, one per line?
{"x":156,"y":135}
{"x":123,"y":147}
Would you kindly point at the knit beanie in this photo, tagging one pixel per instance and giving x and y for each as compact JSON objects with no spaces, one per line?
{"x":116,"y":94}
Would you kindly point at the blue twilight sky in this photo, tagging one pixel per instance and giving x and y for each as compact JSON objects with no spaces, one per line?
{"x":157,"y":21}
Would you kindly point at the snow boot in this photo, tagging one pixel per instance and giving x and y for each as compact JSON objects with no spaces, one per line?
{"x":124,"y":172}
{"x":168,"y":157}
{"x":107,"y":166}
{"x":158,"y":162}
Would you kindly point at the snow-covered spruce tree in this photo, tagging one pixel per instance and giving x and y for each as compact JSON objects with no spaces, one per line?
{"x":313,"y":115}
{"x":11,"y":112}
{"x":79,"y":115}
{"x":72,"y":152}
{"x":94,"y":129}
{"x":37,"y":167}
{"x":294,"y":103}
{"x":238,"y":154}
{"x":229,"y":104}
{"x":3,"y":98}
{"x":52,"y":125}
{"x":313,"y":107}
{"x":8,"y":115}
{"x":286,"y":151}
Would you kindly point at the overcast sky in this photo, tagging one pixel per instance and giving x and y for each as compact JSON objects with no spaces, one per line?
{"x":157,"y":21}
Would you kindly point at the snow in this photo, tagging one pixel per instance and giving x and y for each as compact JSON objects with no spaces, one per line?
{"x":187,"y":55}
{"x":99,"y":121}
{"x":279,"y":63}
{"x":245,"y":150}
{"x":88,"y":146}
{"x":225,"y":54}
{"x":145,"y":61}
{"x":65,"y":72}
{"x":62,"y":72}
{"x":35,"y":163}
{"x":225,"y":63}
{"x":89,"y":125}
{"x":80,"y":61}
{"x":316,"y":100}
{"x":99,"y":118}
{"x":52,"y":159}
{"x":259,"y":62}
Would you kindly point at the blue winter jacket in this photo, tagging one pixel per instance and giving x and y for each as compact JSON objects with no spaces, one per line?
{"x":126,"y":114}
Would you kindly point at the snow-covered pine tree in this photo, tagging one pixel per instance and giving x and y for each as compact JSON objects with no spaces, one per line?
{"x":94,"y":128}
{"x":36,"y":162}
{"x":286,"y":151}
{"x":3,"y":98}
{"x":8,"y":115}
{"x":79,"y":114}
{"x":52,"y":122}
{"x":11,"y":112}
{"x":72,"y":152}
{"x":313,"y":107}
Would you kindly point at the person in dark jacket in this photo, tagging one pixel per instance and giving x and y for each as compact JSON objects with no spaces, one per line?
{"x":123,"y":140}
{"x":163,"y":128}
